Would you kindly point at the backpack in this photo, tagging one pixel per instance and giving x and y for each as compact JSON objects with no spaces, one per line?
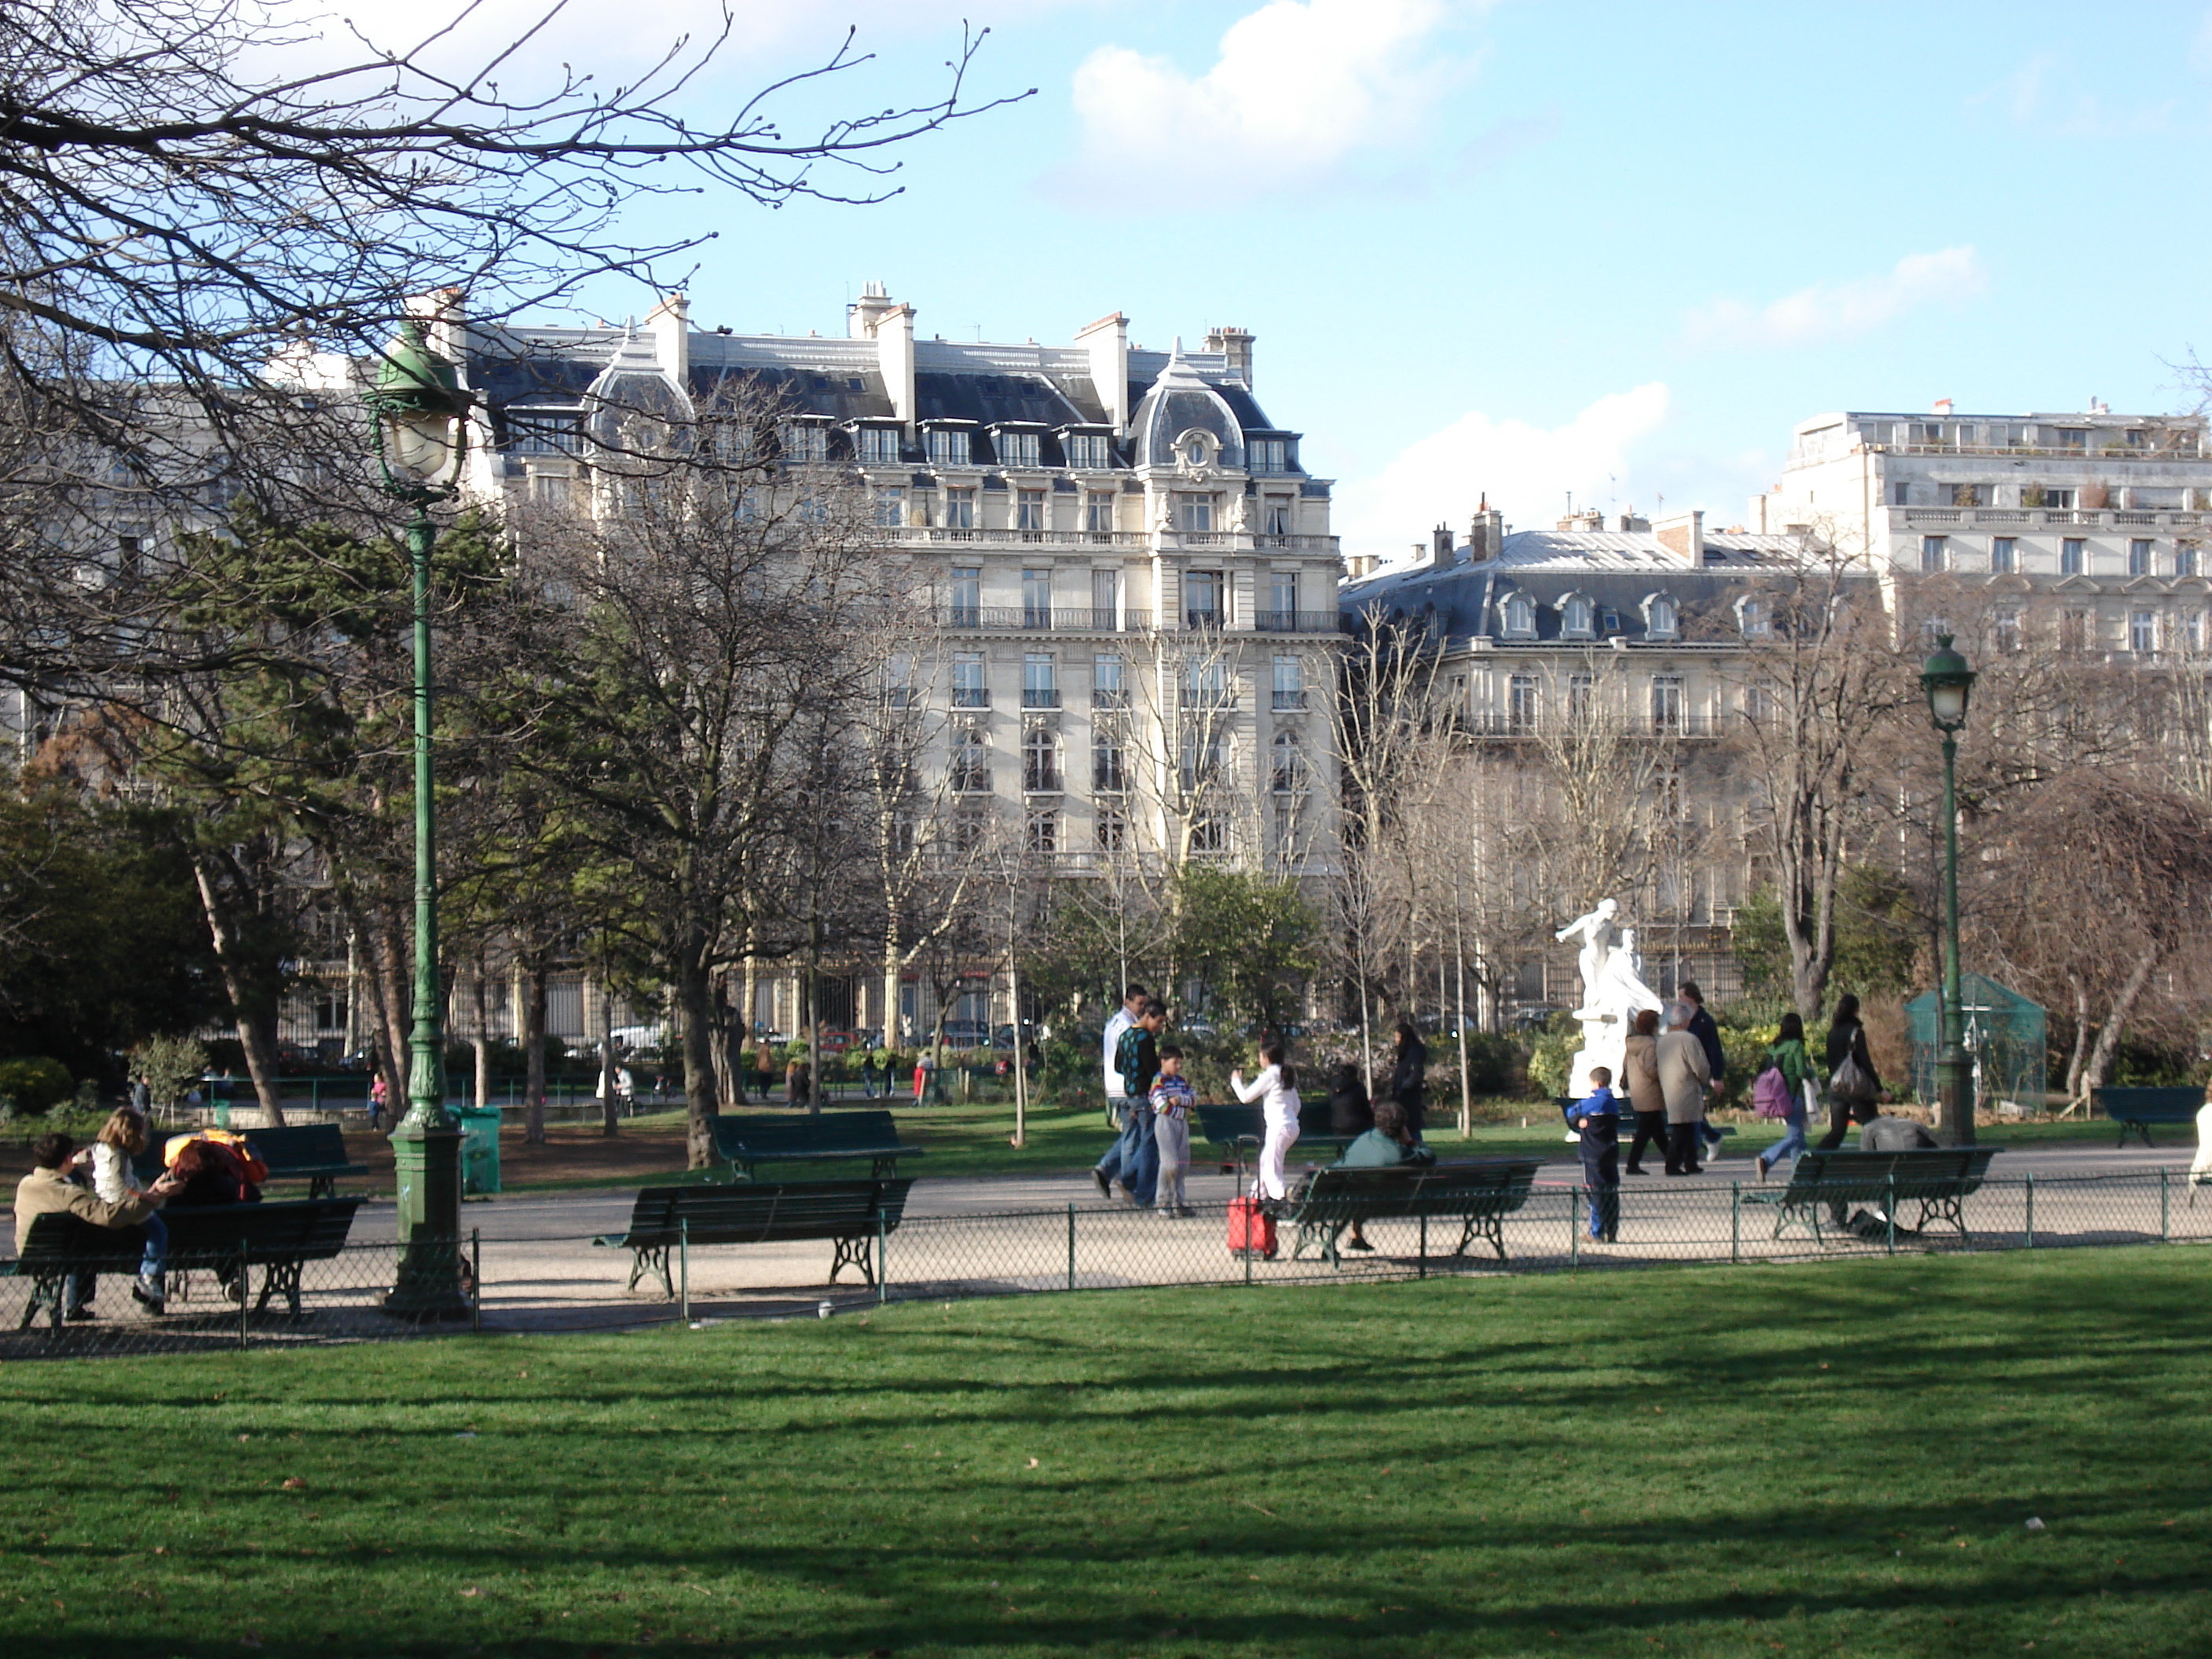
{"x":1770,"y":1093}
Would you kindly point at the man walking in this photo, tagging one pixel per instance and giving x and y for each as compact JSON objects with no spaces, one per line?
{"x":1119,"y":1161}
{"x":1708,"y":1034}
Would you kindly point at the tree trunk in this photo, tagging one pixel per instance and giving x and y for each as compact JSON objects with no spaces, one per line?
{"x":727,"y":1091}
{"x":482,"y":1040}
{"x":247,"y":1000}
{"x":533,"y":1051}
{"x":610,"y":1107}
{"x":2116,"y":1021}
{"x":695,"y":995}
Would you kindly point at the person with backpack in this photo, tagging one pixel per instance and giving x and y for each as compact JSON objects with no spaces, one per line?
{"x":1782,"y":1090}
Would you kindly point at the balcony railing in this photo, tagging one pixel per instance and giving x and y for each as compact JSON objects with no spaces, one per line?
{"x":2008,"y":518}
{"x":1042,"y":781}
{"x":1648,"y":724}
{"x":971,"y":781}
{"x":1110,"y":780}
{"x":1166,"y":540}
{"x":1211,"y":618}
{"x":1294,"y":621}
{"x":1284,"y":702}
{"x":1031,"y":619}
{"x":1208,"y":697}
{"x":1039,"y":696}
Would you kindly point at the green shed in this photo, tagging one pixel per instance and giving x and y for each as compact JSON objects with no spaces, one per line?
{"x":2005,"y":1038}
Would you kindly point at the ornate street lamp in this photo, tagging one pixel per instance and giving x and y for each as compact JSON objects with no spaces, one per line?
{"x":423,"y":427}
{"x":1947,"y":681}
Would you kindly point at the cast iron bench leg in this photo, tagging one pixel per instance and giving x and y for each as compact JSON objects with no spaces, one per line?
{"x":859,"y":1251}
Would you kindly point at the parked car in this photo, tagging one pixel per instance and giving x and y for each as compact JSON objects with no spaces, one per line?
{"x":966,"y":1034}
{"x":1534,"y":1017}
{"x":1197,"y":1025}
{"x":836,"y":1039}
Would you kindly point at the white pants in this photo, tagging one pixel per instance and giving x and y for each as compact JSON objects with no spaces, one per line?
{"x":1282,"y":1135}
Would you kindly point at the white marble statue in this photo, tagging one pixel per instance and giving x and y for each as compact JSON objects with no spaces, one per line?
{"x":1613,"y":992}
{"x":1598,"y":936}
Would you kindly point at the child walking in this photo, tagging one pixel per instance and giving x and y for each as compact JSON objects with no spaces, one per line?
{"x":1172,"y":1099}
{"x":1277,"y":1089}
{"x":1596,"y":1120}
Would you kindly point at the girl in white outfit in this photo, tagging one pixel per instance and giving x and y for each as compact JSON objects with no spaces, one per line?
{"x":1276,"y":1089}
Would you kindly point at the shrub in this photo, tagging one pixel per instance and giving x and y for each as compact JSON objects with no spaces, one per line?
{"x":1554,"y":1056}
{"x":36,"y":1084}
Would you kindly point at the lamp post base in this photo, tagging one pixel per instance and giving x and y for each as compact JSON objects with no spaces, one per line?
{"x":1954,"y":1099}
{"x":428,"y":1283}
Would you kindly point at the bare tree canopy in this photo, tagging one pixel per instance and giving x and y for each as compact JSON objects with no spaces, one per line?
{"x":175,"y":203}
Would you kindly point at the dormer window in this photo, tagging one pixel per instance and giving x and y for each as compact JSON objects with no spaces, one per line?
{"x":1659,"y":618}
{"x":1520,"y":616}
{"x":878,"y":445}
{"x":1575,"y":616}
{"x":1087,"y":452}
{"x":950,"y":447}
{"x":803,"y":440}
{"x":1269,"y":454}
{"x":1017,"y":448}
{"x":1194,"y":452}
{"x":1754,"y":618}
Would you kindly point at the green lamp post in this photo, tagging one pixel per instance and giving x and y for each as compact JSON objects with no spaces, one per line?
{"x":422,"y":417}
{"x":1947,"y":680}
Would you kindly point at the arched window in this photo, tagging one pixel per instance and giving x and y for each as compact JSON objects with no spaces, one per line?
{"x":1520,"y":616}
{"x":1576,"y":617}
{"x":1288,"y":774}
{"x":1040,"y":759}
{"x":1659,"y":618}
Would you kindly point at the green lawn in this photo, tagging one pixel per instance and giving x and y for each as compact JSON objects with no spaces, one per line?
{"x":1838,"y":1458}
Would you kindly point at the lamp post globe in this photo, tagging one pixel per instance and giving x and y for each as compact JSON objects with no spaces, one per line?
{"x":1949,"y":682}
{"x":421,"y":418}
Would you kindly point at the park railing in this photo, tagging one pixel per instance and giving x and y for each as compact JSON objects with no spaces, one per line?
{"x":523,"y":1278}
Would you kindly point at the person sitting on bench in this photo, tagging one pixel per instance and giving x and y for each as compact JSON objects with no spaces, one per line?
{"x":1894,"y":1134}
{"x":1390,"y":1143}
{"x":50,"y":1188}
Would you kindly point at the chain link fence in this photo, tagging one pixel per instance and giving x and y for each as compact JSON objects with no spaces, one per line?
{"x":375,"y":1292}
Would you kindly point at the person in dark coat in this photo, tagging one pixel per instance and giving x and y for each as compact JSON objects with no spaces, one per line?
{"x":1646,"y":1098}
{"x":1386,"y":1145}
{"x":1349,"y":1111}
{"x":1595,"y":1120}
{"x":1707,"y":1031}
{"x":1847,"y":1038}
{"x":1409,"y":1077}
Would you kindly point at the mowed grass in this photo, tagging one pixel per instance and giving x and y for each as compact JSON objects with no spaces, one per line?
{"x":1835,"y":1458}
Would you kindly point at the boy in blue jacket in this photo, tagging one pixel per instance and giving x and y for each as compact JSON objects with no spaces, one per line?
{"x":1596,"y":1120}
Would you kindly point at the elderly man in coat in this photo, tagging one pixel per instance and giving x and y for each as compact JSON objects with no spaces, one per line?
{"x":48,"y":1190}
{"x":1684,"y":1072}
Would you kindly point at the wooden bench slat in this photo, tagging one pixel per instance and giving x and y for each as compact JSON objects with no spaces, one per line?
{"x":1479,"y":1193}
{"x":802,"y":1137}
{"x":849,"y":1215}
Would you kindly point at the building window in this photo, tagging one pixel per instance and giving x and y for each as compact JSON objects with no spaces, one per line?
{"x":2004,"y":555}
{"x":1666,"y":703}
{"x":879,"y":445}
{"x":1206,"y":684}
{"x":1577,"y":617}
{"x":1270,"y":454}
{"x":1194,"y":513}
{"x":960,"y":511}
{"x":1041,"y":833}
{"x":1105,"y":599}
{"x":546,"y":489}
{"x":803,"y":440}
{"x":2006,"y":629}
{"x":1040,"y":682}
{"x":949,"y":447}
{"x":1582,"y":699}
{"x":1086,"y":451}
{"x":1275,"y":516}
{"x":1098,"y":512}
{"x":2142,"y":631}
{"x":1202,"y":759}
{"x":2185,"y":558}
{"x":2071,"y":437}
{"x":1900,"y":494}
{"x":898,"y":682}
{"x":1521,"y":703}
{"x":1661,"y":619}
{"x":1288,"y":774}
{"x":971,"y":763}
{"x":1041,"y":760}
{"x":1109,"y":829}
{"x":1036,"y":598}
{"x":1029,"y":513}
{"x":2192,"y":632}
{"x":1759,"y":702}
{"x":891,"y":507}
{"x":1283,"y":593}
{"x":1933,"y":552}
{"x":967,"y":596}
{"x":1202,"y":599}
{"x":1018,"y":449}
{"x":1107,"y":690}
{"x":969,"y":689}
{"x":2073,"y":554}
{"x":1109,"y":760}
{"x":1209,"y":833}
{"x":1520,"y":616}
{"x":1752,"y":615}
{"x":2073,"y":630}
{"x":2139,"y":557}
{"x":1289,"y":686}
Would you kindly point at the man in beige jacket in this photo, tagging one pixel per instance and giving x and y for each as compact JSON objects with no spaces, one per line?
{"x":48,"y":1190}
{"x":1684,"y":1072}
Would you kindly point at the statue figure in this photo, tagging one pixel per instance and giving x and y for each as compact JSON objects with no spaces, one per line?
{"x":1613,"y":992}
{"x":1597,"y":934}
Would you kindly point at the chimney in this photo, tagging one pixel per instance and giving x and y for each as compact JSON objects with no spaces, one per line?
{"x":889,"y":323}
{"x":1440,"y":544}
{"x":1235,"y":347}
{"x":1942,"y":406}
{"x":1485,"y":533}
{"x":1107,"y":340}
{"x":1359,"y":567}
{"x":1684,"y":535}
{"x":1633,"y":521}
{"x":670,"y":325}
{"x":1589,"y":518}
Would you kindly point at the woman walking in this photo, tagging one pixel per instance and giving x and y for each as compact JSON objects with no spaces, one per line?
{"x":1409,"y":1076}
{"x":1787,"y":1055}
{"x":1855,"y":1097}
{"x":1683,"y":1075}
{"x":1640,"y":1070}
{"x":1277,"y":1090}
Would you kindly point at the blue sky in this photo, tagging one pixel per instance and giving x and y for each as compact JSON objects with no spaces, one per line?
{"x":1519,"y":247}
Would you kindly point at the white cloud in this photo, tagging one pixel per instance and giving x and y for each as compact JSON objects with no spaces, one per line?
{"x":1835,"y":311}
{"x":1526,"y":471}
{"x":1299,"y":87}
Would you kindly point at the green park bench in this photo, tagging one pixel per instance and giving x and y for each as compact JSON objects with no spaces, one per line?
{"x":744,"y":1143}
{"x":1938,"y":1179}
{"x":1237,"y":1129}
{"x":278,"y":1238}
{"x":854,"y":1216}
{"x":2136,"y":1109}
{"x":312,"y":1153}
{"x":1479,"y":1194}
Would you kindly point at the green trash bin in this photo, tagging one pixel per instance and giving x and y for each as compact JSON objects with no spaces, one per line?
{"x":479,"y":1127}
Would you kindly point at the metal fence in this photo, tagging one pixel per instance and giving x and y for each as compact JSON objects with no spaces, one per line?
{"x":550,"y":1282}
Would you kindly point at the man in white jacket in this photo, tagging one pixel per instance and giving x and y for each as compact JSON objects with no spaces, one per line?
{"x":1119,"y":1161}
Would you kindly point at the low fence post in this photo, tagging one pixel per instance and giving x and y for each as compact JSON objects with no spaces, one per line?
{"x":476,"y":1278}
{"x":1889,"y":1217}
{"x":1071,"y":1246}
{"x":1736,"y":1223}
{"x":683,"y":1263}
{"x":1574,"y":1228}
{"x":883,"y":1261}
{"x":1424,"y":1271}
{"x":2030,"y":1209}
{"x":2164,"y":1206}
{"x":245,"y":1290}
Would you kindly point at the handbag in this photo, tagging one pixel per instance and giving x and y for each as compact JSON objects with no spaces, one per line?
{"x":1851,"y":1084}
